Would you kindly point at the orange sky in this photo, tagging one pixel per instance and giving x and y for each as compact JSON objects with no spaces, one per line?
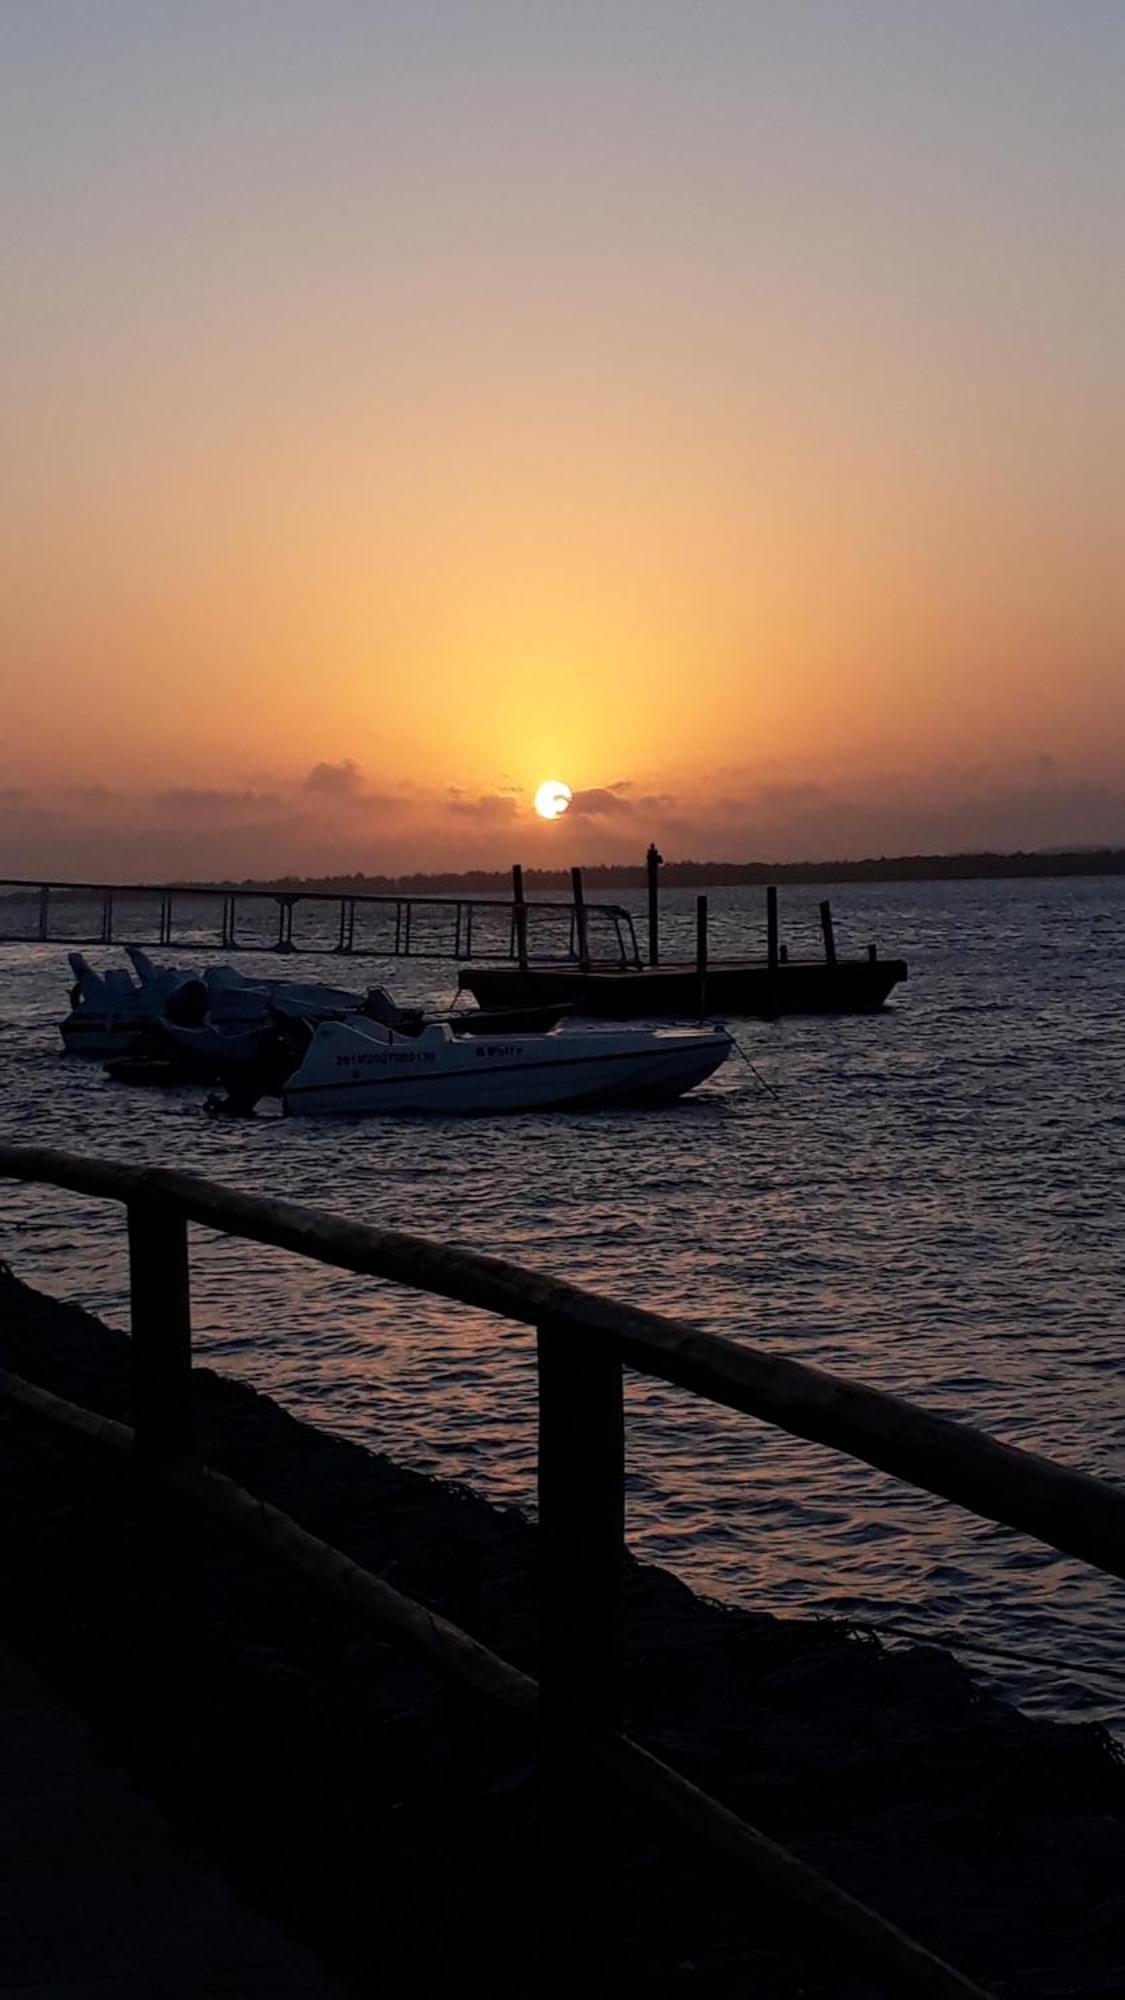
{"x":728,"y":422}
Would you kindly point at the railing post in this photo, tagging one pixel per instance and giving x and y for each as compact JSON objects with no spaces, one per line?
{"x":581,"y":1556}
{"x":161,"y":1325}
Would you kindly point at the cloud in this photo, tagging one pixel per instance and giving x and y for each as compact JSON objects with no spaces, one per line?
{"x":491,"y":806}
{"x":342,"y":784}
{"x":191,"y":799}
{"x":19,"y":808}
{"x":92,"y":795}
{"x":327,"y":820}
{"x":600,"y":801}
{"x":336,"y":781}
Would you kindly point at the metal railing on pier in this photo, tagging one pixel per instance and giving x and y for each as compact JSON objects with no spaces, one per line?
{"x":585,"y":1342}
{"x":350,"y":923}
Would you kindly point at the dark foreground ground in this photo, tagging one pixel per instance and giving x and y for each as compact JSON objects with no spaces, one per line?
{"x":388,"y":1822}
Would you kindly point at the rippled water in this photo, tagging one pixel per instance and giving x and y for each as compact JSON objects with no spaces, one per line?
{"x":931,"y":1203}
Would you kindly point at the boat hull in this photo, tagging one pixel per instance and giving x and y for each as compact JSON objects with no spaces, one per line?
{"x":678,"y":992}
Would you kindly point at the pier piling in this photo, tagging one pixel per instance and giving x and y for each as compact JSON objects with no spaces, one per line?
{"x":771,"y":928}
{"x":701,"y":951}
{"x":828,"y":930}
{"x":653,"y":861}
{"x":519,"y":916}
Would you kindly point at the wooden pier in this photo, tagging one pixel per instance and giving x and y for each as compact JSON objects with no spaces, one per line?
{"x":516,"y":954}
{"x":587,"y":1765}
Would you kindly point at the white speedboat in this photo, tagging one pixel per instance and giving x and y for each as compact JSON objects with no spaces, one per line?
{"x":358,"y":1067}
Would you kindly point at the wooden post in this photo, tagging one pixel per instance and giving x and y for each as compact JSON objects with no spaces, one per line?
{"x":701,"y":936}
{"x":580,"y":919}
{"x":161,"y":1325}
{"x":44,"y":911}
{"x":701,"y":951}
{"x":581,"y":1548}
{"x":771,"y":928}
{"x":829,"y":933}
{"x":519,"y":916}
{"x":653,"y":861}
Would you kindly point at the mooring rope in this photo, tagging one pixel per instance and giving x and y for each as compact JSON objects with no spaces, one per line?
{"x":754,"y":1071}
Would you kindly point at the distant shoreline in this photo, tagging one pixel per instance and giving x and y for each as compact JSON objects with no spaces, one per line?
{"x":982,"y":867}
{"x":716,"y":874}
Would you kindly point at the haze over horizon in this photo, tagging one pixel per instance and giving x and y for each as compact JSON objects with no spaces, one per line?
{"x":718,"y":408}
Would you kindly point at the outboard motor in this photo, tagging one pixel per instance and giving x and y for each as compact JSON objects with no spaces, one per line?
{"x":379,"y":1007}
{"x":186,"y":1006}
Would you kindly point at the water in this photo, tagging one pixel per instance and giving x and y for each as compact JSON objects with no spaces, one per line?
{"x":931,"y":1204}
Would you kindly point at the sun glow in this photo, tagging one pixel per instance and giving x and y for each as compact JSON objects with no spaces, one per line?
{"x":552,"y":798}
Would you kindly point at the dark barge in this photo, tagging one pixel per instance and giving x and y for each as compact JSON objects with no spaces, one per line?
{"x":738,"y":987}
{"x":625,"y":989}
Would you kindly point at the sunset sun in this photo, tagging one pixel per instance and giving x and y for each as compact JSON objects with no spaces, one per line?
{"x":552,"y":798}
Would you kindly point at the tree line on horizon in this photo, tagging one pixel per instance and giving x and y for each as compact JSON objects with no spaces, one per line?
{"x":702,"y":874}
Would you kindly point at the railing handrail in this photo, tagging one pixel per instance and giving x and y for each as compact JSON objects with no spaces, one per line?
{"x":450,"y":899}
{"x":1075,"y":1512}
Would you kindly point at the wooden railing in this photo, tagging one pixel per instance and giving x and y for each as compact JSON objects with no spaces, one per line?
{"x":584,"y":1342}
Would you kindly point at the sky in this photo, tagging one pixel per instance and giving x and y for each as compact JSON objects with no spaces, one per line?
{"x":714,"y":404}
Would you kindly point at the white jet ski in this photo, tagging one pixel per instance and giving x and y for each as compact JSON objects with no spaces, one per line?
{"x":108,"y":1012}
